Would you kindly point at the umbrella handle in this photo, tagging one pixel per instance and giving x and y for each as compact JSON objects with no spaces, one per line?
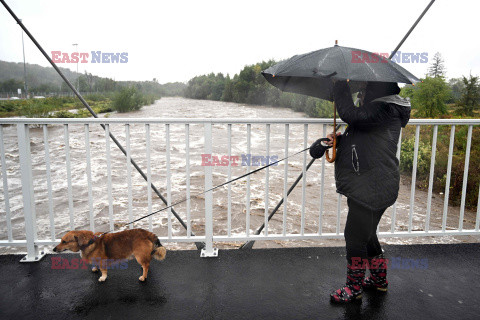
{"x":334,"y":147}
{"x":334,"y":150}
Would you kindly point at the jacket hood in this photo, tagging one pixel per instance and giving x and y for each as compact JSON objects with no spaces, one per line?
{"x":375,"y":90}
{"x":402,"y":105}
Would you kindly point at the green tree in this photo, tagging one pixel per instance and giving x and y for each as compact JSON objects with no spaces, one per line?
{"x":457,"y":86}
{"x":240,"y":90}
{"x":227,"y":94}
{"x":470,"y":96}
{"x":44,"y":87}
{"x":217,"y":87}
{"x":64,"y":87}
{"x":11,"y":85}
{"x":89,"y":81}
{"x":428,"y":97}
{"x":407,"y":91}
{"x":249,"y":86}
{"x":82,"y":80}
{"x":173,"y":89}
{"x":437,"y":68}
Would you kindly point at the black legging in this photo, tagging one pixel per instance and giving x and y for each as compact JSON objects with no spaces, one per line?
{"x":361,"y":231}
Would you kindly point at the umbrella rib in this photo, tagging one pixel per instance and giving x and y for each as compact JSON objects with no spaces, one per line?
{"x":404,"y":73}
{"x":302,"y":57}
{"x":347,"y":73}
{"x":372,"y":70}
{"x":366,"y":64}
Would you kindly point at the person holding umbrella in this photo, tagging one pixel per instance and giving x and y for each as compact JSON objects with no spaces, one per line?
{"x":367,"y":173}
{"x":366,"y":166}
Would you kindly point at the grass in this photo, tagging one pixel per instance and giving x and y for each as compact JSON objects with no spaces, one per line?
{"x":55,"y":107}
{"x":125,"y":100}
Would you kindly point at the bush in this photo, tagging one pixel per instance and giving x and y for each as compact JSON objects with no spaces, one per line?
{"x":60,"y":101}
{"x":7,"y":106}
{"x":128,"y":99}
{"x":103,"y":107}
{"x":149,"y":99}
{"x":407,"y":154}
{"x":64,"y":114}
{"x":36,"y":108}
{"x":95,"y":97}
{"x":441,"y":162}
{"x":83,"y":113}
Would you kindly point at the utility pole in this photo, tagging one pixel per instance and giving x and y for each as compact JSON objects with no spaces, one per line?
{"x":78,"y":78}
{"x":25,"y":87}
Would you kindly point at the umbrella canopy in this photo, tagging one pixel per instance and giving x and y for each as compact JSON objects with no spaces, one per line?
{"x":312,"y":73}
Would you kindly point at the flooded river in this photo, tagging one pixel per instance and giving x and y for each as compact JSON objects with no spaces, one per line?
{"x":185,"y":108}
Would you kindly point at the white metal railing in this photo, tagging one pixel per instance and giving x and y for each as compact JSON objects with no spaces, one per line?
{"x":46,"y":202}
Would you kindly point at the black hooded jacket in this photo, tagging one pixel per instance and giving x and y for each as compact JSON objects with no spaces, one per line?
{"x":366,"y":166}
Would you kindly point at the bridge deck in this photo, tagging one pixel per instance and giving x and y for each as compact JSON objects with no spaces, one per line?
{"x":255,"y":284}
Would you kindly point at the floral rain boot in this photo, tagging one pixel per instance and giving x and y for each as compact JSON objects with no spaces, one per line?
{"x":352,"y":291}
{"x":378,"y":274}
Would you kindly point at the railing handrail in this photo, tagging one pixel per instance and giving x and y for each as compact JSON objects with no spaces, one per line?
{"x":217,"y":121}
{"x":25,"y":170}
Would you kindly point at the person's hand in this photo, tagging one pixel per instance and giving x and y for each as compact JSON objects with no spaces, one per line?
{"x":330,"y":137}
{"x":317,"y":149}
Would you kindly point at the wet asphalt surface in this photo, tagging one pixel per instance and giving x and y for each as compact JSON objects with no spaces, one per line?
{"x":426,"y":282}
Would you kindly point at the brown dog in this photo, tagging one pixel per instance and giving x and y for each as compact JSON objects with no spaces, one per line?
{"x":110,"y":248}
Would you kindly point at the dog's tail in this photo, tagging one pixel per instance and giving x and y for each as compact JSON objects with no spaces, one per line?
{"x":159,"y":252}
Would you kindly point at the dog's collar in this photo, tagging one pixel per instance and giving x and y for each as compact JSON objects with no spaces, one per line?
{"x":90,"y":242}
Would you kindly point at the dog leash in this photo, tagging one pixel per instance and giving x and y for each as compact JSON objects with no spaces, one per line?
{"x":91,"y":241}
{"x":218,"y":186}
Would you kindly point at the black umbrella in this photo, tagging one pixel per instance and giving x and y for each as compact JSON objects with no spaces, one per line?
{"x":313,"y":73}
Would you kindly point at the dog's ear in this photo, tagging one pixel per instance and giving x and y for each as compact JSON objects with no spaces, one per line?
{"x":81,"y":239}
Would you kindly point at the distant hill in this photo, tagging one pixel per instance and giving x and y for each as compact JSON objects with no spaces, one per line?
{"x":46,"y":79}
{"x":36,"y":74}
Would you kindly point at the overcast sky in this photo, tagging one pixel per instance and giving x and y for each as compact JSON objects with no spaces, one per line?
{"x":177,"y":40}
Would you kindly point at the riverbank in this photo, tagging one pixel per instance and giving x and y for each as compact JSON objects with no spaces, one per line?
{"x":124,"y":100}
{"x":55,"y":107}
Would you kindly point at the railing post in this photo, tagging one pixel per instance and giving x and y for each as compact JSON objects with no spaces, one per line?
{"x":33,"y":253}
{"x":209,"y":250}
